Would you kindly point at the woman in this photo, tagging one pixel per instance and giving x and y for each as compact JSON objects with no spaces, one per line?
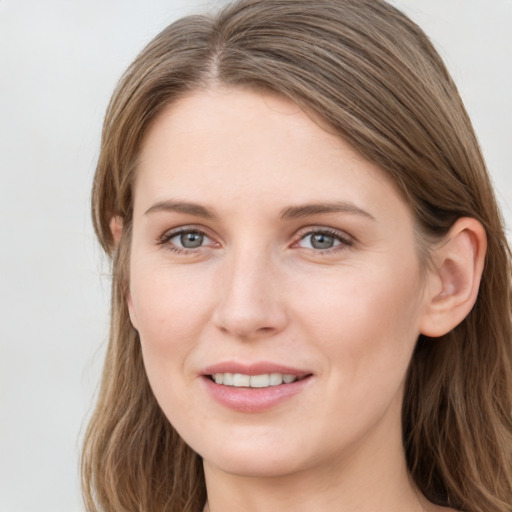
{"x":311,"y":302}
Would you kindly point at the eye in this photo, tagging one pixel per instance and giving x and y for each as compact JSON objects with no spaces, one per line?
{"x":185,"y":240}
{"x":323,"y":240}
{"x":189,"y":239}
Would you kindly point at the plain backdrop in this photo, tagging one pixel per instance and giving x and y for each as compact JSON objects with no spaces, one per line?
{"x":59,"y":62}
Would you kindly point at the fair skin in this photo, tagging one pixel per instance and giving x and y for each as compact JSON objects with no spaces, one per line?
{"x":260,"y":238}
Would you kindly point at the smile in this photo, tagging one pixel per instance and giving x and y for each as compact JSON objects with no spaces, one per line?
{"x":255,"y":387}
{"x":264,"y":380}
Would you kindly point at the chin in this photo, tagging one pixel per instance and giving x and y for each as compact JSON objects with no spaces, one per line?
{"x":246,"y":457}
{"x":255,"y":465}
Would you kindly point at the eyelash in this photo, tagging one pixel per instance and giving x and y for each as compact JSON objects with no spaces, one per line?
{"x":344,"y":240}
{"x":169,"y":235}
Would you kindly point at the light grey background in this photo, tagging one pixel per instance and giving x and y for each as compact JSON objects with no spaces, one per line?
{"x":59,"y":61}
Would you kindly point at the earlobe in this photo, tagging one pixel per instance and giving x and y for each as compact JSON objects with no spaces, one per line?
{"x":116,"y":228}
{"x":453,"y":284}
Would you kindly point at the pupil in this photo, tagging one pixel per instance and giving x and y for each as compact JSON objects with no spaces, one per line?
{"x":321,"y":241}
{"x":191,"y":240}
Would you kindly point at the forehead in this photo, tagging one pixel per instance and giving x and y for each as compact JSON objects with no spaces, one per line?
{"x":228,"y":143}
{"x":226,"y":120}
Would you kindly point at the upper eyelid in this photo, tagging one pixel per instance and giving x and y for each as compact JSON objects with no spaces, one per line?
{"x":303,"y":232}
{"x":299,"y":234}
{"x":170,"y":233}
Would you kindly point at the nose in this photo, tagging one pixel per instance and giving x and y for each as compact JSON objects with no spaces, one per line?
{"x":250,"y":300}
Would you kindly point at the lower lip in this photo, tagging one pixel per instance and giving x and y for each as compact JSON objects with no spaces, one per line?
{"x":253,"y":399}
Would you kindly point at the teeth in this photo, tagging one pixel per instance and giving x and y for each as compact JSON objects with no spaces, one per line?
{"x":240,"y":380}
{"x":260,"y":381}
{"x":276,"y":379}
{"x":253,"y":381}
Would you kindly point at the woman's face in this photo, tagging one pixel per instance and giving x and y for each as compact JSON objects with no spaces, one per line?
{"x":266,"y":250}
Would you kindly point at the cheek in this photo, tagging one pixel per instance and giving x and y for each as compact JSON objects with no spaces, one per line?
{"x":169,"y":310}
{"x":165,"y":301}
{"x":366,"y":329}
{"x":365,"y":316}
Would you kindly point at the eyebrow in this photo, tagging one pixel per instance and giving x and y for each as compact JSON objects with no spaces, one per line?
{"x":292,"y":212}
{"x":295,"y":212}
{"x":194,"y":209}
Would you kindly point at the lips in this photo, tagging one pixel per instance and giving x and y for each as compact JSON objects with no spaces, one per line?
{"x":259,"y":368}
{"x":253,"y":387}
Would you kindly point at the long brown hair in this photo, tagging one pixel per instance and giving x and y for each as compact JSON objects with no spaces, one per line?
{"x":374,"y":76}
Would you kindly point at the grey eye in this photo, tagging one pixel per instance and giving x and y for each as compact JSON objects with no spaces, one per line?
{"x":320,"y":241}
{"x":187,"y":240}
{"x":191,"y":239}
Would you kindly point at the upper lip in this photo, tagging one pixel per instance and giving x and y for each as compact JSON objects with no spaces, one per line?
{"x":257,"y":368}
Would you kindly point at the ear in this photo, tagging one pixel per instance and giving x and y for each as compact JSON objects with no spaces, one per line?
{"x":116,"y":228}
{"x":453,"y":284}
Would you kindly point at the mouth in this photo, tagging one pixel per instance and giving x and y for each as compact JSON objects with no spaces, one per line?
{"x":263,"y":380}
{"x":255,"y":387}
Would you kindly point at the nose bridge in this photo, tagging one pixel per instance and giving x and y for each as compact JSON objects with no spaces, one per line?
{"x":250,"y":303}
